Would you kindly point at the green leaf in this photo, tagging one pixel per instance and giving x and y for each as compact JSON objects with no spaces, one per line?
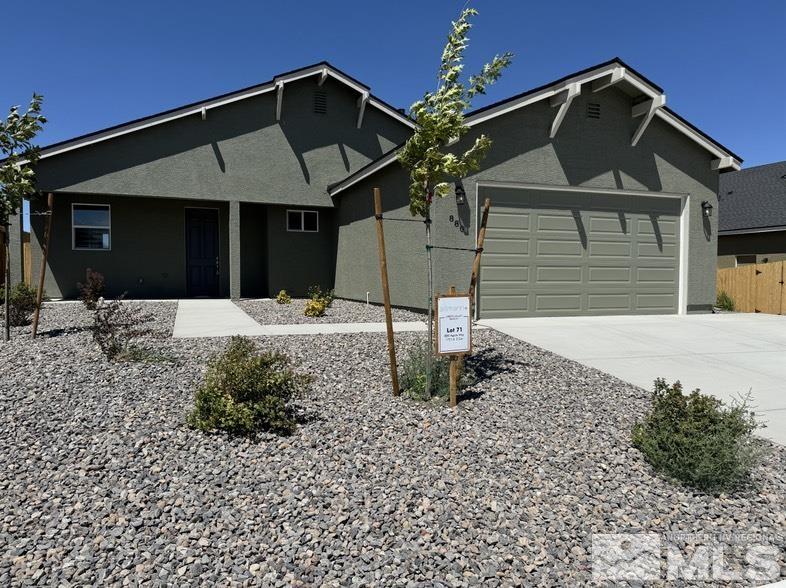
{"x":440,"y":121}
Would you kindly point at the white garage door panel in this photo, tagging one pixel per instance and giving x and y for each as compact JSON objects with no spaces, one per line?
{"x":558,"y":253}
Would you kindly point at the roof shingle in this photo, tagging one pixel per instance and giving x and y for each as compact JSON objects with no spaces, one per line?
{"x":753,"y":198}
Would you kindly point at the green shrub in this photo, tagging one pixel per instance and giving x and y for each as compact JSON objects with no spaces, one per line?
{"x":698,"y":440}
{"x":21,"y":304}
{"x":325,"y":296}
{"x":92,"y":290}
{"x":315,"y":308}
{"x":245,"y":392}
{"x":724,"y":301}
{"x":116,"y":324}
{"x":283,"y":297}
{"x":413,"y":377}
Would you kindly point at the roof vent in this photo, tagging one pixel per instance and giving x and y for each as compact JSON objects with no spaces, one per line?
{"x":593,"y":110}
{"x":320,"y":102}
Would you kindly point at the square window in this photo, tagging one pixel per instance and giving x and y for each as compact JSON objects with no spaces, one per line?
{"x":91,"y":226}
{"x":302,"y":221}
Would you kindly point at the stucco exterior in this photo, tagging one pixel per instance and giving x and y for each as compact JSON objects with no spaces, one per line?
{"x":239,"y":159}
{"x":586,"y":152}
{"x":260,"y":154}
{"x":239,"y":152}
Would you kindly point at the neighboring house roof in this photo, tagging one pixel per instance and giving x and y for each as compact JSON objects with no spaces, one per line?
{"x":322,"y":69}
{"x":561,"y":92}
{"x":753,"y":200}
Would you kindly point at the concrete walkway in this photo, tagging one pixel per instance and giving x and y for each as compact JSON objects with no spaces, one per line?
{"x":223,"y":318}
{"x":213,"y":318}
{"x":723,"y":354}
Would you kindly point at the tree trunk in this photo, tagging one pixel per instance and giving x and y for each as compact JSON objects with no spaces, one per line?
{"x":7,"y":317}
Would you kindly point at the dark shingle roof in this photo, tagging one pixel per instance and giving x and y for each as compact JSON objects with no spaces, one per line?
{"x":753,"y":198}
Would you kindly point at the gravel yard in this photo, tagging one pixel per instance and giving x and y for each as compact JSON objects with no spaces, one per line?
{"x":270,"y":312}
{"x":101,"y":482}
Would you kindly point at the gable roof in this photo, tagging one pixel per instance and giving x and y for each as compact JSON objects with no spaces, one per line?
{"x":613,"y":72}
{"x":323,"y":69}
{"x":753,"y":200}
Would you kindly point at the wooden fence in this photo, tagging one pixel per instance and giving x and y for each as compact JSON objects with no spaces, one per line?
{"x":25,"y":251}
{"x":755,"y":287}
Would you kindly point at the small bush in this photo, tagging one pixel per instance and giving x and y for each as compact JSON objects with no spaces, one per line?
{"x":246,"y":392}
{"x":697,"y":440}
{"x":315,"y":308}
{"x":283,"y":297}
{"x":325,"y":296}
{"x":724,"y":301}
{"x":92,"y":290}
{"x":116,"y":324}
{"x":413,"y":377}
{"x":21,"y":304}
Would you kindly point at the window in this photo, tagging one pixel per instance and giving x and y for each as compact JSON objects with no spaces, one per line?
{"x":91,"y":226}
{"x":746,"y":259}
{"x":303,"y":221}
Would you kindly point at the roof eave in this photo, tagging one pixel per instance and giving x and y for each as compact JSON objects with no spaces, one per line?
{"x":202,"y":106}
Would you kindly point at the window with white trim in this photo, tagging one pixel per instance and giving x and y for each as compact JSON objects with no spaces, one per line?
{"x":302,"y":221}
{"x":91,"y":227}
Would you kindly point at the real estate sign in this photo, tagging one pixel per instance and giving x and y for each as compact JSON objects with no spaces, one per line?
{"x":454,"y":327}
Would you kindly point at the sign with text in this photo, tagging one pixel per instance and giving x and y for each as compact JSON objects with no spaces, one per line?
{"x":454,"y":326}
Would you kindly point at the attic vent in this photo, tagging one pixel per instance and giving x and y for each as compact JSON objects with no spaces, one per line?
{"x":320,"y":102}
{"x":593,"y":110}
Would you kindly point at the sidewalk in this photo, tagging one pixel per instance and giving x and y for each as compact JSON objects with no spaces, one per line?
{"x":222,"y":318}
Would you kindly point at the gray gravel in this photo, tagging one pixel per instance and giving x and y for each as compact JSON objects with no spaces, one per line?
{"x":101,"y":482}
{"x":270,"y":312}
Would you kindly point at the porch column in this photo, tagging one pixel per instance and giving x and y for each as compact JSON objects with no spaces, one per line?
{"x":234,"y":249}
{"x":15,"y":249}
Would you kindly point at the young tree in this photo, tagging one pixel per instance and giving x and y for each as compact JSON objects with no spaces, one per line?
{"x":17,"y":178}
{"x":440,"y":123}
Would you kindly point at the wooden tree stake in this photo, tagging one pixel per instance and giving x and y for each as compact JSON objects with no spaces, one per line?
{"x":476,"y":263}
{"x":383,"y":268}
{"x":44,"y":256}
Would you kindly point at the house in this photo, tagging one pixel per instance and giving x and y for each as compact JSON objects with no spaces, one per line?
{"x":752,"y":215}
{"x":601,"y":199}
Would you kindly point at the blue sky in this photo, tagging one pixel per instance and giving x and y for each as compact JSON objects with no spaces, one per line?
{"x":100,"y":63}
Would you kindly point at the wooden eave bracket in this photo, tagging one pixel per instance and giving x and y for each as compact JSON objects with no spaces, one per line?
{"x":362,"y":101}
{"x":646,"y":109}
{"x":279,"y":99}
{"x":563,"y":100}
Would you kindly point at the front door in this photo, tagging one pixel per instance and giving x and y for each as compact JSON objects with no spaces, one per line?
{"x":202,"y":252}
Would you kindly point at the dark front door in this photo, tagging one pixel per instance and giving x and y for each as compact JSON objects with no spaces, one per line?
{"x":202,"y":252}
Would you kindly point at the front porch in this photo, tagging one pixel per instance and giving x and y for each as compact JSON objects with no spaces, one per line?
{"x":164,"y":248}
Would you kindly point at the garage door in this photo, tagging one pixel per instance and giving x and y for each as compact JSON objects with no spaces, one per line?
{"x":553,"y":253}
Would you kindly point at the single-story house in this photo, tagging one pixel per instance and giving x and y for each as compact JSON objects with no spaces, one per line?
{"x":752,"y":215}
{"x":601,"y":199}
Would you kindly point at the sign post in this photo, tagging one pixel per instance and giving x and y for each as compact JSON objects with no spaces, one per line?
{"x":454,"y":332}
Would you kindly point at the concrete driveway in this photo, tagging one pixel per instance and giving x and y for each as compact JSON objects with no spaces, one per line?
{"x":723,"y":354}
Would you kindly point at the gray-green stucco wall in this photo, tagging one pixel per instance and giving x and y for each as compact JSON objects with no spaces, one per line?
{"x":240,"y":152}
{"x":298,"y":260}
{"x":239,"y":159}
{"x":586,"y":152}
{"x":148,"y":254}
